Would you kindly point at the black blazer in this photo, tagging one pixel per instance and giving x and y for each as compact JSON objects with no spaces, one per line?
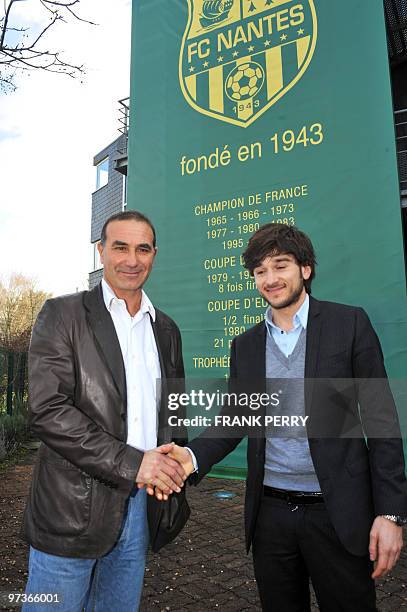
{"x":359,"y":478}
{"x":78,"y":409}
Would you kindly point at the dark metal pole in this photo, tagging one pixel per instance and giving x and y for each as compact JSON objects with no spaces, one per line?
{"x":21,"y":377}
{"x":10,"y":377}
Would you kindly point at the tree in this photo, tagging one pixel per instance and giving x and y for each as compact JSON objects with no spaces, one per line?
{"x":22,"y":47}
{"x":20,"y":302}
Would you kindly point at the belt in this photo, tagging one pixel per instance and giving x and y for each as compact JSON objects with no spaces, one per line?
{"x":294,"y":497}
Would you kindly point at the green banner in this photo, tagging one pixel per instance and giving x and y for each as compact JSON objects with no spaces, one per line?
{"x":250,"y":111}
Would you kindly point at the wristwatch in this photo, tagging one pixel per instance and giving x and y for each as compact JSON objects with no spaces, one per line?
{"x":399,"y":520}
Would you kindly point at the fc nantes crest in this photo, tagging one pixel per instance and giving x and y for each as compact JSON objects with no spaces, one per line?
{"x":238,"y":57}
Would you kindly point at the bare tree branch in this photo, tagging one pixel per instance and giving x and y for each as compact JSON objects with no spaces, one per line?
{"x":24,"y":53}
{"x":17,"y":29}
{"x":54,"y":64}
{"x":67,"y":6}
{"x":5,"y":22}
{"x":41,"y":34}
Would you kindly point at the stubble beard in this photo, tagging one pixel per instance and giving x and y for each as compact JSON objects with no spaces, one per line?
{"x":291,"y":299}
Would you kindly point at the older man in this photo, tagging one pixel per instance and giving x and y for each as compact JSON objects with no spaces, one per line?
{"x":94,"y":362}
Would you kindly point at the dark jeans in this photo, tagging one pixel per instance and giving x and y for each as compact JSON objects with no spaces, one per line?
{"x":295,"y":543}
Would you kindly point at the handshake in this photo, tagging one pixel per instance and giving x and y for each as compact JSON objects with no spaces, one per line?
{"x":164,"y":470}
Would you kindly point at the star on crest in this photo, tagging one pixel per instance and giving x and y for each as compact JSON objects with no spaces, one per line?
{"x":192,"y":69}
{"x":283,"y":37}
{"x":220,"y":58}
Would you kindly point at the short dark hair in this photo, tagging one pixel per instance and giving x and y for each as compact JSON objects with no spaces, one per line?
{"x":276,"y":238}
{"x":127,"y":215}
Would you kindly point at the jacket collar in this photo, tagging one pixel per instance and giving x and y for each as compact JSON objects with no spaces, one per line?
{"x":102,"y":325}
{"x":109,"y":297}
{"x":162,"y":334}
{"x":313,"y":335}
{"x":312,"y":351}
{"x":258,"y":357}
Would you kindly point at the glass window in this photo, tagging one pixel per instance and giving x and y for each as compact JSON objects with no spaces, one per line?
{"x":97,"y":264}
{"x":102,"y":173}
{"x":124,"y":198}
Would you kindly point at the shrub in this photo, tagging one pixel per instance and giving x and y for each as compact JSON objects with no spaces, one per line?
{"x":14,"y":431}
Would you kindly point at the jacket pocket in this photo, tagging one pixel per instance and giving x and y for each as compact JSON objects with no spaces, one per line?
{"x":61,"y":499}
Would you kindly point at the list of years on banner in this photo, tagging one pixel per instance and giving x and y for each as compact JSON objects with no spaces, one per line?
{"x":227,"y":225}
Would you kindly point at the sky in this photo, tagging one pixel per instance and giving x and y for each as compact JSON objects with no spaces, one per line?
{"x":50,"y":130}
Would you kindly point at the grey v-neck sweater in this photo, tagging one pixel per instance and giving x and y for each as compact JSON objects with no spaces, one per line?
{"x":288,"y":463}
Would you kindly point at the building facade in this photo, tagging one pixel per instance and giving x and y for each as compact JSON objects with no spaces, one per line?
{"x":108,"y":198}
{"x":396,"y":25}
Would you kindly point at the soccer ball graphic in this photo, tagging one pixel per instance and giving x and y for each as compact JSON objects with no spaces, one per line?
{"x":244,"y":81}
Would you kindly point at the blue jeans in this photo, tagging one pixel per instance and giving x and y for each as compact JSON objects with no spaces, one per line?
{"x":112,"y":583}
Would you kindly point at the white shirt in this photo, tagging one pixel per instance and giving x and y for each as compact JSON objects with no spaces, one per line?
{"x":142,"y":366}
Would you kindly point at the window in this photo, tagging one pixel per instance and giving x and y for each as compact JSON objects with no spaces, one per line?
{"x":124,"y":198}
{"x":97,"y":264}
{"x":102,"y":173}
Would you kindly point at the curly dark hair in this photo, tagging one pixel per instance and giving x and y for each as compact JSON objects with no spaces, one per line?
{"x":275,"y":239}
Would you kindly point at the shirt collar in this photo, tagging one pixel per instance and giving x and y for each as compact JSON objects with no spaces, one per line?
{"x":299,"y":319}
{"x":109,"y":297}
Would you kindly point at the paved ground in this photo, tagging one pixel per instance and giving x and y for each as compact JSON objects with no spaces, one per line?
{"x":206,"y":568}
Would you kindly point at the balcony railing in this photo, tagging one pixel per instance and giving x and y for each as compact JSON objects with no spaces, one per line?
{"x":122,"y":145}
{"x":124,"y":116}
{"x":401,"y":142}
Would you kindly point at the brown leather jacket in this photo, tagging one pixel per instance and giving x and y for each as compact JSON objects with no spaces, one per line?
{"x":85,"y":470}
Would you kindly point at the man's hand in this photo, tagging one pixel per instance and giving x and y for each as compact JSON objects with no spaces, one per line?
{"x":157,"y":469}
{"x":386,"y":542}
{"x":183,"y":457}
